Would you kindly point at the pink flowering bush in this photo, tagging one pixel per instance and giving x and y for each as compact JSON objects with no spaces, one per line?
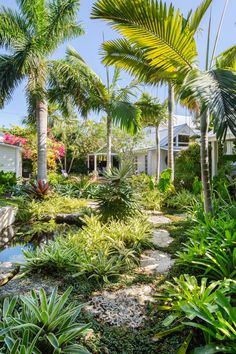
{"x":13,"y":139}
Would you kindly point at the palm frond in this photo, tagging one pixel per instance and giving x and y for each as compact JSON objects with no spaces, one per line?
{"x":227,"y":59}
{"x":216,"y":91}
{"x":158,"y":30}
{"x":126,"y":115}
{"x":63,"y":24}
{"x":152,"y":111}
{"x":13,"y":30}
{"x":35,"y":13}
{"x":129,"y":57}
{"x":10,"y":77}
{"x":198,"y":15}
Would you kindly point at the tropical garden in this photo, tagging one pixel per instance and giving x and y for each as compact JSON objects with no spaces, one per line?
{"x":111,"y":261}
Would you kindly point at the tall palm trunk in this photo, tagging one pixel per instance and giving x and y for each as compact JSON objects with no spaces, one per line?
{"x":42,"y":116}
{"x":109,"y":137}
{"x":158,"y":167}
{"x":204,"y":123}
{"x":170,"y":129}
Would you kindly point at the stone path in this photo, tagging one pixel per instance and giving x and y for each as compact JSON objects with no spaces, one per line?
{"x":161,"y":238}
{"x":125,"y":307}
{"x":159,"y":219}
{"x":155,"y":262}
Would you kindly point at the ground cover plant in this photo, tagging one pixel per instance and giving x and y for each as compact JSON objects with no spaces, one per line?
{"x":100,"y":251}
{"x":37,"y":323}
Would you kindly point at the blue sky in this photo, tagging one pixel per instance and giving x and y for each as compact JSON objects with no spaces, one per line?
{"x":89,"y":46}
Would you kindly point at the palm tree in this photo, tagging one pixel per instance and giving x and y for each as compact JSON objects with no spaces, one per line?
{"x":158,"y":43}
{"x":108,"y":98}
{"x":153,"y":114}
{"x":30,"y":35}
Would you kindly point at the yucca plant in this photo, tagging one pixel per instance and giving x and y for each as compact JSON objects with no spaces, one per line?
{"x":41,"y":324}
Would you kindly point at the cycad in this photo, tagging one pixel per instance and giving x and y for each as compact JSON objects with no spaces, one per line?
{"x":30,"y":35}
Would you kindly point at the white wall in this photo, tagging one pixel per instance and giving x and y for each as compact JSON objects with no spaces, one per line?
{"x":141,"y":162}
{"x":152,"y":162}
{"x":10,"y":159}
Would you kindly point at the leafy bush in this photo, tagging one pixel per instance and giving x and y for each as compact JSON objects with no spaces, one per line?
{"x":37,"y":324}
{"x":212,"y":247}
{"x":38,"y":189}
{"x":56,"y":205}
{"x":147,"y":191}
{"x":165,"y":183}
{"x":100,"y":251}
{"x":204,"y":307}
{"x":182,"y":200}
{"x":187,"y":167}
{"x":7,"y":181}
{"x":116,"y":198}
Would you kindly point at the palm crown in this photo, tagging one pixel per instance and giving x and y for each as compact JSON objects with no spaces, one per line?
{"x":29,"y":37}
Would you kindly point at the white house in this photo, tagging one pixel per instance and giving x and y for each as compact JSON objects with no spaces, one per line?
{"x":146,"y":153}
{"x":10,"y":158}
{"x":229,"y":149}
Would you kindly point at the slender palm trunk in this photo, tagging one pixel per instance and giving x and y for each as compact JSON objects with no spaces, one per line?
{"x":205,"y":162}
{"x":109,"y":137}
{"x":170,"y":129}
{"x":158,"y":153}
{"x":42,"y":117}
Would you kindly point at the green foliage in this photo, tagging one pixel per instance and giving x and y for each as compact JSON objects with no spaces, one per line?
{"x":38,"y":190}
{"x":147,"y":192}
{"x":211,"y":247}
{"x":165,"y":183}
{"x":54,"y":205}
{"x":187,"y":167}
{"x":39,"y":324}
{"x":182,"y":200}
{"x":100,"y":251}
{"x":204,"y":307}
{"x":7,"y":181}
{"x":116,"y":198}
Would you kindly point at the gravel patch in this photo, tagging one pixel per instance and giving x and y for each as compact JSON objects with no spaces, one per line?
{"x":125,"y":307}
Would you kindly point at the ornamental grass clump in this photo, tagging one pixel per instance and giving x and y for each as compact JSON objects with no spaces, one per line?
{"x":99,"y":251}
{"x":41,"y":324}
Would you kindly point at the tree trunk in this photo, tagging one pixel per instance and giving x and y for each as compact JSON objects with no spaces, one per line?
{"x":170,"y":130}
{"x":158,"y":153}
{"x":205,"y":162}
{"x":109,"y":137}
{"x":42,"y":117}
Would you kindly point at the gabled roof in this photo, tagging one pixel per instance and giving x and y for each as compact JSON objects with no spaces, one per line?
{"x":150,"y":139}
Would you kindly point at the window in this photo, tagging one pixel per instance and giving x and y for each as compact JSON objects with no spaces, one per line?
{"x":136,"y":163}
{"x":183,"y":140}
{"x":146,"y":164}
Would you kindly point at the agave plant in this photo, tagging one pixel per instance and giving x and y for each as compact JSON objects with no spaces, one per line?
{"x":37,"y":324}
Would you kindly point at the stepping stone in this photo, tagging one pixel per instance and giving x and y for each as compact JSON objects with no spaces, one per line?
{"x":161,"y":238}
{"x":156,"y":262}
{"x":159,"y":219}
{"x":124,"y":307}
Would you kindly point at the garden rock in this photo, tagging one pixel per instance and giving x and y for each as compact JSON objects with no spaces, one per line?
{"x":70,"y":219}
{"x":156,"y":262}
{"x":125,"y":307}
{"x":161,"y":238}
{"x":159,"y":219}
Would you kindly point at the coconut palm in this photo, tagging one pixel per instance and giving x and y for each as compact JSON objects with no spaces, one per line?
{"x":153,"y":114}
{"x":30,"y":35}
{"x":161,"y":45}
{"x":107,"y":98}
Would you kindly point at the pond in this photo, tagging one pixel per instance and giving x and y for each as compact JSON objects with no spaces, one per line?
{"x":11,"y":247}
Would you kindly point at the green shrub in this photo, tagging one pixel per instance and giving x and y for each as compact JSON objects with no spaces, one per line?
{"x":201,"y":306}
{"x":7,"y":181}
{"x":165,"y":183}
{"x":101,"y":251}
{"x":116,"y":198}
{"x":147,"y":192}
{"x":56,"y":205}
{"x":150,"y":200}
{"x":39,"y":324}
{"x":182,"y":200}
{"x":212,"y":247}
{"x":187,"y":167}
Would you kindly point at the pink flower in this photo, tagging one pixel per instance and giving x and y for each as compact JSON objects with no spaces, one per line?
{"x":14,"y":140}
